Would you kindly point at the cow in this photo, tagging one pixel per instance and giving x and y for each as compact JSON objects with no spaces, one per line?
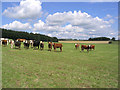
{"x":31,"y":43}
{"x":17,"y":44}
{"x":92,"y":47}
{"x":12,"y":43}
{"x":41,"y":45}
{"x":4,"y":42}
{"x":36,"y":44}
{"x":49,"y":46}
{"x":85,"y":47}
{"x":77,"y":45}
{"x":26,"y":44}
{"x":21,"y":40}
{"x":57,"y":45}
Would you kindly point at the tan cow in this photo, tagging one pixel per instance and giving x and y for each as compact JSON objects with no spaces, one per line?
{"x":57,"y":45}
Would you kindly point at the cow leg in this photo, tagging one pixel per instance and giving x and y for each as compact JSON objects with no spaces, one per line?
{"x":54,"y":49}
{"x":87,"y":50}
{"x":82,"y":49}
{"x":61,"y":49}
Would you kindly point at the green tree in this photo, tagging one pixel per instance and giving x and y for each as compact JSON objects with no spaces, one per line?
{"x":113,"y":39}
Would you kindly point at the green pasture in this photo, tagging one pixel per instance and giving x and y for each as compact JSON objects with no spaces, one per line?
{"x":28,"y":68}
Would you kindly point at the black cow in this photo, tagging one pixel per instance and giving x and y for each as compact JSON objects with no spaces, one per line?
{"x":17,"y":44}
{"x":49,"y":46}
{"x":36,"y":44}
{"x":41,"y":46}
{"x":26,"y":44}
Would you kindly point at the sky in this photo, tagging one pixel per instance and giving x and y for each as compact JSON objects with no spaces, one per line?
{"x":76,"y":20}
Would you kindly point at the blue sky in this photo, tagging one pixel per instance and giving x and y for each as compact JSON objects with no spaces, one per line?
{"x":106,"y":11}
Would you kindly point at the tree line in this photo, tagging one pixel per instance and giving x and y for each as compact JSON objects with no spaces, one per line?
{"x":25,"y":35}
{"x":90,"y":39}
{"x":101,"y":39}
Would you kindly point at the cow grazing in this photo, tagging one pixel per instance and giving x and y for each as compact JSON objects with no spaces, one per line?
{"x":49,"y":46}
{"x":36,"y":44}
{"x":85,"y":47}
{"x":57,"y":45}
{"x":26,"y":44}
{"x":17,"y":44}
{"x":77,"y":45}
{"x":41,"y":45}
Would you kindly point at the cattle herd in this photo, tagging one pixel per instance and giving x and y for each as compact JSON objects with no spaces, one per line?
{"x":40,"y":44}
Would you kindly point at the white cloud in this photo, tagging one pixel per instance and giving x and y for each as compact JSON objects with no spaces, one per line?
{"x":108,"y":16}
{"x":79,"y":19}
{"x":39,"y":25}
{"x":28,"y":9}
{"x":74,"y":25}
{"x":16,"y":25}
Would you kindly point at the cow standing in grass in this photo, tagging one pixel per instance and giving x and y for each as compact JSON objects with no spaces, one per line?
{"x":17,"y":44}
{"x":85,"y":47}
{"x":41,"y":45}
{"x":77,"y":45}
{"x":92,"y":47}
{"x":57,"y":45}
{"x":31,"y":43}
{"x":12,"y":43}
{"x":36,"y":44}
{"x":49,"y":46}
{"x":26,"y":44}
{"x":4,"y":42}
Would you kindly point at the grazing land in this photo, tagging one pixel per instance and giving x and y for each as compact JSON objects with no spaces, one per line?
{"x":28,"y":68}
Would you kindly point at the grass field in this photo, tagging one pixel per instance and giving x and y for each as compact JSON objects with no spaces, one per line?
{"x":68,"y":69}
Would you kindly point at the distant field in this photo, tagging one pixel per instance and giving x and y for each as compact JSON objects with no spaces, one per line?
{"x":83,"y":41}
{"x":28,"y":68}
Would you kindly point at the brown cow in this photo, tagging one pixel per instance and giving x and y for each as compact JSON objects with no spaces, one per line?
{"x":57,"y":45}
{"x":92,"y":47}
{"x":4,"y":42}
{"x":77,"y":46}
{"x":21,"y":40}
{"x":85,"y":47}
{"x":49,"y":46}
